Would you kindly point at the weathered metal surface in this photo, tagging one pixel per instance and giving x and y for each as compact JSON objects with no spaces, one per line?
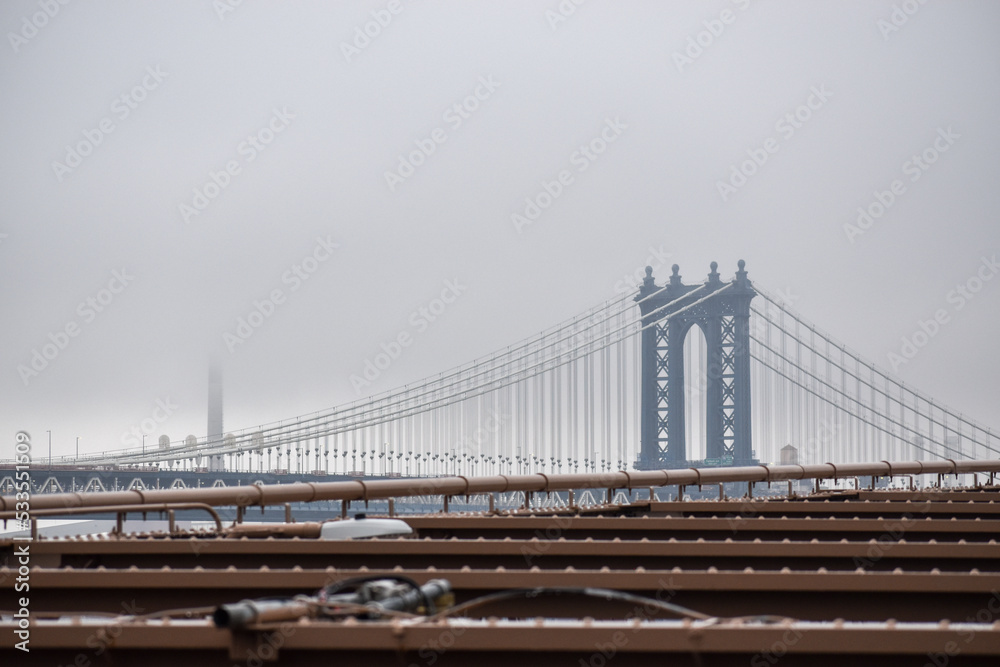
{"x":809,"y":595}
{"x":741,"y":527}
{"x":825,"y":509}
{"x":557,"y":552}
{"x":848,"y":577}
{"x":493,"y":642}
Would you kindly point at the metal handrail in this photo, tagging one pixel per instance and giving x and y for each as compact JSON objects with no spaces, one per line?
{"x":119,"y":510}
{"x":279,"y":494}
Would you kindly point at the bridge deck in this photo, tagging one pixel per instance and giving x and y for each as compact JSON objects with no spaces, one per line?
{"x":859,"y":577}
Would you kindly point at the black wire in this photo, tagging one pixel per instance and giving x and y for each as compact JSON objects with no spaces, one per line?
{"x":601,"y":593}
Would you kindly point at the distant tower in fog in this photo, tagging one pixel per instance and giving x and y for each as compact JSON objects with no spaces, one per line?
{"x":214,"y":407}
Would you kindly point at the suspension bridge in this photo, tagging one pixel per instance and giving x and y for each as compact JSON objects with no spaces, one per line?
{"x":550,"y":487}
{"x":712,"y":373}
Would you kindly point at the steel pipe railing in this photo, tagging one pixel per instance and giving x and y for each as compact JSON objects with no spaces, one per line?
{"x":357,"y":490}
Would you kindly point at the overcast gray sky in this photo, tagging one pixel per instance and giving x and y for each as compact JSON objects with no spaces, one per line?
{"x":168,"y":164}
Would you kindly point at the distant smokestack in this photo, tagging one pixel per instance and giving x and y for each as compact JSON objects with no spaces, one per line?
{"x":214,"y":400}
{"x":214,"y":409}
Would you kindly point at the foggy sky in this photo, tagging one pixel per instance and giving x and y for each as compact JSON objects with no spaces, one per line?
{"x":299,"y":119}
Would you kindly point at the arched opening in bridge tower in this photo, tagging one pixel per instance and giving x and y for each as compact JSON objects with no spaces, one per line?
{"x":695,"y":392}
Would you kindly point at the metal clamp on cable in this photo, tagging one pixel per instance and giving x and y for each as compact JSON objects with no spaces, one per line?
{"x":364,"y":598}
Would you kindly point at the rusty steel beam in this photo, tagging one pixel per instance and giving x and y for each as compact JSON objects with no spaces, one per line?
{"x":555,"y":552}
{"x":301,"y":579}
{"x":825,"y":509}
{"x":494,"y":642}
{"x":359,"y":490}
{"x":743,"y":526}
{"x":811,"y":595}
{"x":978,"y":495}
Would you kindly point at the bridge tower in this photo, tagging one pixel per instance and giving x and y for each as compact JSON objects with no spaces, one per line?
{"x":725,"y":320}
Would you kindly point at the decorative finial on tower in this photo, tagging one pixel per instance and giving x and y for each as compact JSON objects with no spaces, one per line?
{"x":675,"y":277}
{"x":741,"y":275}
{"x":713,"y":276}
{"x":648,"y":284}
